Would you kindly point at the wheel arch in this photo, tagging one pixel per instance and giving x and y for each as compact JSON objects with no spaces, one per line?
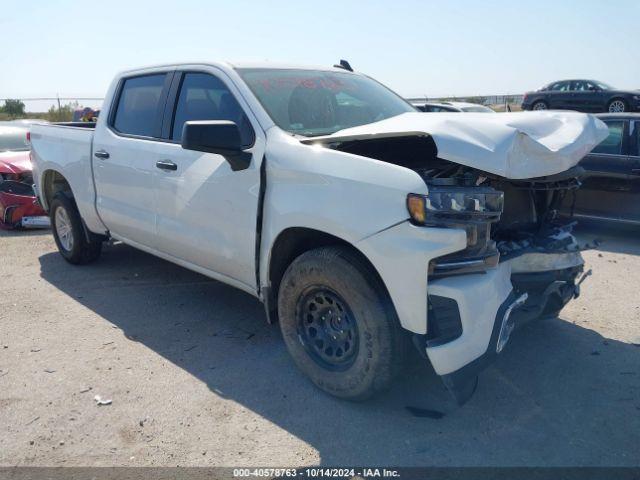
{"x":293,"y":242}
{"x":53,"y":182}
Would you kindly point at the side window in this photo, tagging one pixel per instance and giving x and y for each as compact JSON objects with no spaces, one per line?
{"x":580,"y":86}
{"x":139,"y":106}
{"x":205,"y":97}
{"x":613,"y":143}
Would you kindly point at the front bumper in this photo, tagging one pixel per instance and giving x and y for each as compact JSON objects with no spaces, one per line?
{"x":490,"y":306}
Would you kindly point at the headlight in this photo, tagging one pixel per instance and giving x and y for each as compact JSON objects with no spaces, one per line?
{"x":636,"y":97}
{"x":472,"y":209}
{"x":443,"y":205}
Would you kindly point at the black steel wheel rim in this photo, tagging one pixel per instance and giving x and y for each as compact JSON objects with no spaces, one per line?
{"x":327,"y":328}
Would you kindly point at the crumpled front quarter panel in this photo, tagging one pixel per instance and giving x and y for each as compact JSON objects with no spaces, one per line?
{"x":345,"y":195}
{"x":361,"y":201}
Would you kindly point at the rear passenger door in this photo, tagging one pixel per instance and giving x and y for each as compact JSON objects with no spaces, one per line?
{"x":206,"y":212}
{"x":582,"y":97}
{"x":125,"y":150}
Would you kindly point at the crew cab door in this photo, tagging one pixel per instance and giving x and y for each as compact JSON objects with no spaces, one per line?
{"x":206,"y":212}
{"x":125,"y":151}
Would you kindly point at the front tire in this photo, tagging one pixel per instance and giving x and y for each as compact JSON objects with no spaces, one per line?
{"x":617,"y":105}
{"x":69,"y":234}
{"x":338,"y":323}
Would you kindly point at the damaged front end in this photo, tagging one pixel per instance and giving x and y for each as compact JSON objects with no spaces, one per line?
{"x":512,"y":226}
{"x":514,"y":221}
{"x":521,"y":260}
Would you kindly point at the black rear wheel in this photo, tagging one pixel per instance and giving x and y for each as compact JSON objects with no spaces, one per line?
{"x":338,"y":323}
{"x":540,"y":105}
{"x":69,"y":233}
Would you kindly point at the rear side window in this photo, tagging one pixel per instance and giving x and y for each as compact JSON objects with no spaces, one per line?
{"x":205,"y":97}
{"x":612,"y":145}
{"x":139,"y":105}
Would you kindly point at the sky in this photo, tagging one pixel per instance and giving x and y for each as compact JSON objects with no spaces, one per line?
{"x":417,"y":48}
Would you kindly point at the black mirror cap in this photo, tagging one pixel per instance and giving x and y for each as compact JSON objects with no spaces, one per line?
{"x":212,"y":136}
{"x":216,"y":136}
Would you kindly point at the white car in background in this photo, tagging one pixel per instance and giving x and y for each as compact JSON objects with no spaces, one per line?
{"x":450,"y":107}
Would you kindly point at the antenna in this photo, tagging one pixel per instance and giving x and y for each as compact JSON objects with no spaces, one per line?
{"x":344,"y":65}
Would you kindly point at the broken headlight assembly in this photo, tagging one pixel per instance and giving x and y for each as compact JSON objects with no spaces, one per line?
{"x":472,"y":209}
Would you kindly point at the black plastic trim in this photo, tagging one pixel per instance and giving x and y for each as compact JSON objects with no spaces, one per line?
{"x":444,"y":322}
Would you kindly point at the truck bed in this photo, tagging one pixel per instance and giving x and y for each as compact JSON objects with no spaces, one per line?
{"x":66,"y":148}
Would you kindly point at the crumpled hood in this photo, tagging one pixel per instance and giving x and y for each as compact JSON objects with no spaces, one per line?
{"x":512,"y":145}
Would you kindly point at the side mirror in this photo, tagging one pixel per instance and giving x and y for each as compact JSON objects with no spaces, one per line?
{"x":216,"y":136}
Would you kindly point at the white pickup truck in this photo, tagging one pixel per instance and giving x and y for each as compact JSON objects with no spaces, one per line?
{"x":358,"y":221}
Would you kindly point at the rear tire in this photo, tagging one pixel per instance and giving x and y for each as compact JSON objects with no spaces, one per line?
{"x":540,"y":105}
{"x":69,"y":232}
{"x":338,"y":323}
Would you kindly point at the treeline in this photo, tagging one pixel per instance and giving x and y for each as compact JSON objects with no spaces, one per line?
{"x":14,"y":109}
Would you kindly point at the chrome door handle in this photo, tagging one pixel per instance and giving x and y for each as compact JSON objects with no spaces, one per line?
{"x":101,"y":154}
{"x":166,"y":165}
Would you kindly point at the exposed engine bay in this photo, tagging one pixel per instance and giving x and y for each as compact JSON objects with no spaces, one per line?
{"x":506,"y":220}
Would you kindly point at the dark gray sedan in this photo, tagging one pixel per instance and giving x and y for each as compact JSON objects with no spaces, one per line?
{"x":583,"y":96}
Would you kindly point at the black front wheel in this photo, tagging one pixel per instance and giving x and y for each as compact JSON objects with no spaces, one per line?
{"x":617,"y":105}
{"x":338,"y":323}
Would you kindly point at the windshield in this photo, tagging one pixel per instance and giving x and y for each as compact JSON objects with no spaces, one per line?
{"x":317,"y":102}
{"x":13,"y":139}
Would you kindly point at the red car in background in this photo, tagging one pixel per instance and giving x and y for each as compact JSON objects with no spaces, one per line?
{"x":19,"y":206}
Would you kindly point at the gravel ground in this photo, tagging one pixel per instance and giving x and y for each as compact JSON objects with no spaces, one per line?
{"x":197,"y":377}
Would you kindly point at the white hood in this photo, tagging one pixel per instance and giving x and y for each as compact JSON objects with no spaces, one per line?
{"x":512,"y":145}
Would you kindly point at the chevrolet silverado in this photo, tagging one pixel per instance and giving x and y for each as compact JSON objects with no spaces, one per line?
{"x":364,"y":226}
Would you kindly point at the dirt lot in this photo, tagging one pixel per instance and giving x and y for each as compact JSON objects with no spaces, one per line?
{"x":197,"y":377}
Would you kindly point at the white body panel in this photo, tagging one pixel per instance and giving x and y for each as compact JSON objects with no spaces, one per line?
{"x":125,"y":198}
{"x":204,"y":215}
{"x":479,"y":297}
{"x":67,"y":150}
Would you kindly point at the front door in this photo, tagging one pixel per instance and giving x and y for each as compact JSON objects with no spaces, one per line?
{"x":606,"y":191}
{"x":560,"y":95}
{"x":125,"y":150}
{"x":206,"y":212}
